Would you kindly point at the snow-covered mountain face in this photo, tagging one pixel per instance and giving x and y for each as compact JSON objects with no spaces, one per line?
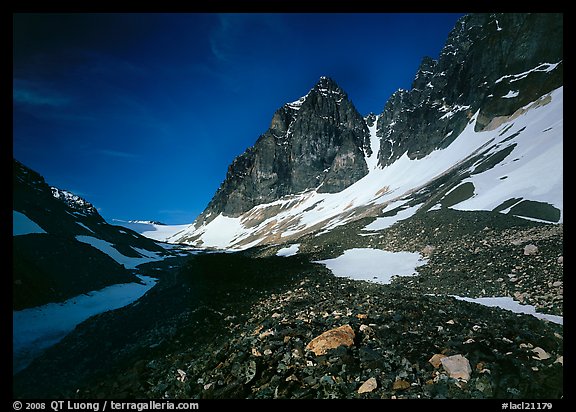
{"x":478,"y":131}
{"x":62,"y":247}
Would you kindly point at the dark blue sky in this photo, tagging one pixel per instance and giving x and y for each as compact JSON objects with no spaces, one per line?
{"x":141,"y":114}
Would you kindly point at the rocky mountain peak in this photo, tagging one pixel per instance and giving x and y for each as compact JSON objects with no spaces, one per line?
{"x":74,"y":202}
{"x":524,"y":62}
{"x":327,"y":87}
{"x":317,"y":142}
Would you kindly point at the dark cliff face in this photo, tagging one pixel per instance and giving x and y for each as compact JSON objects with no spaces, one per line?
{"x":495,"y":63}
{"x":318,"y":142}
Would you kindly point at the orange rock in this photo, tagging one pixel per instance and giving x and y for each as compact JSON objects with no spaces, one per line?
{"x":400,"y":385}
{"x":331,"y":339}
{"x":436,"y":360}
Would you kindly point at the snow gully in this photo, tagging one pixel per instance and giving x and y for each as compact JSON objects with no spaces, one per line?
{"x":75,"y":406}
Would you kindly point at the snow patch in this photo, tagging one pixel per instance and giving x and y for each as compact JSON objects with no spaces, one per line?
{"x":498,"y":28}
{"x":372,"y":160}
{"x":453,"y":111}
{"x":507,"y":303}
{"x":544,"y":67}
{"x":296,"y":105}
{"x":36,"y":329}
{"x":23,"y":225}
{"x":110,"y":250}
{"x":289,"y":251}
{"x":511,"y":94}
{"x":374,"y":265}
{"x":221,"y":231}
{"x":385,"y":222}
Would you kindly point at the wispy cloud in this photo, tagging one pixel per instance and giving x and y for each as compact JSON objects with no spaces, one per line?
{"x":29,"y":94}
{"x":102,"y":64}
{"x":236,"y":35}
{"x":116,"y":153}
{"x":221,"y":38}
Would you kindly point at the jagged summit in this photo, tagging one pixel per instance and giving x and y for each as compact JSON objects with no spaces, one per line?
{"x":326,"y":87}
{"x":73,"y":201}
{"x":447,"y":92}
{"x":318,"y":142}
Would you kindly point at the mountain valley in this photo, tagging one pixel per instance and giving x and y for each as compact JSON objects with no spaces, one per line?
{"x":415,"y":253}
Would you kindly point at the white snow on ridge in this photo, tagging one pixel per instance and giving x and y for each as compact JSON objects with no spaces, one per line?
{"x":38,"y":328}
{"x":298,"y":103}
{"x":507,"y":303}
{"x":374,"y":265}
{"x":23,"y":225}
{"x":110,"y":250}
{"x":544,"y":67}
{"x":453,"y":111}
